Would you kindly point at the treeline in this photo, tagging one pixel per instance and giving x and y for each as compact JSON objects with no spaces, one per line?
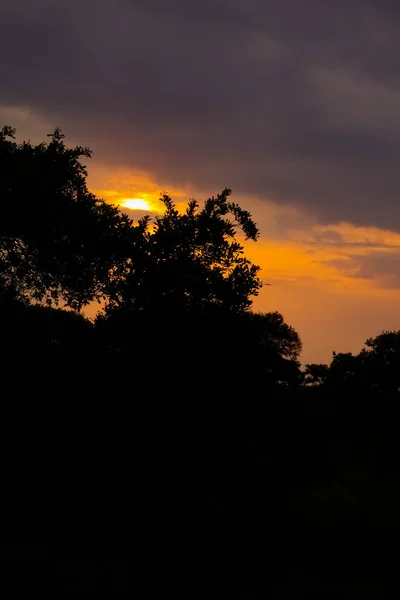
{"x":175,"y":445}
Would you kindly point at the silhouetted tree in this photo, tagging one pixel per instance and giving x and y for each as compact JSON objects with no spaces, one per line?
{"x":189,"y":261}
{"x":185,"y":288}
{"x":57,"y":240}
{"x":316,"y":374}
{"x":276,"y":336}
{"x":376,"y":369}
{"x":381,"y":360}
{"x":344,"y":374}
{"x":274,"y":346}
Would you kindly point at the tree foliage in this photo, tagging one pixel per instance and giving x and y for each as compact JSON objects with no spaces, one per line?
{"x":376,"y":369}
{"x":315,"y":374}
{"x":57,"y":240}
{"x":191,"y":261}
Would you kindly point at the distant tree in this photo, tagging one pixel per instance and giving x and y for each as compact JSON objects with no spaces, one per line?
{"x":386,"y":346}
{"x":376,"y":369}
{"x":316,"y":374}
{"x":57,"y":240}
{"x":345,"y":371}
{"x":381,"y":359}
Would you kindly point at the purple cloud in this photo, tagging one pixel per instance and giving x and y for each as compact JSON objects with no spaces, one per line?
{"x":297,"y":102}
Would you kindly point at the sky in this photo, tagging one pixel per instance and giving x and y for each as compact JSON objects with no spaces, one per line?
{"x":294,"y":105}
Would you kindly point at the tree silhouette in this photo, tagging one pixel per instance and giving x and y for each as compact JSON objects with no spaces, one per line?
{"x":273,"y":347}
{"x":381,"y":360}
{"x":57,"y":240}
{"x":186,"y":290}
{"x":189,"y":261}
{"x":316,"y":374}
{"x":374,"y":370}
{"x":276,"y":335}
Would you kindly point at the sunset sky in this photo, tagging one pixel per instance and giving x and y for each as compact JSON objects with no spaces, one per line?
{"x":295,"y":105}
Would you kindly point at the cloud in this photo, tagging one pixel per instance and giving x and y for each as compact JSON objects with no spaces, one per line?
{"x":381,"y":267}
{"x":294,"y":102}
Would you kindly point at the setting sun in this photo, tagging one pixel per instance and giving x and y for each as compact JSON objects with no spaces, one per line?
{"x":135,"y":204}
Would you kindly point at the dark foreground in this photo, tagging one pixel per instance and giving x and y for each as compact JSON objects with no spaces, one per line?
{"x":132,"y":491}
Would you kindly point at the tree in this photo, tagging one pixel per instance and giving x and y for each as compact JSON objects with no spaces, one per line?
{"x":274,"y":346}
{"x":185,"y":285}
{"x":374,"y":370}
{"x":57,"y":240}
{"x":316,"y":374}
{"x":190,"y":262}
{"x":381,"y":359}
{"x":188,"y":287}
{"x":276,"y":336}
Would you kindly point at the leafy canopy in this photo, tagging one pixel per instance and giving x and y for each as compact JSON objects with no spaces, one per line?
{"x":57,"y":240}
{"x":190,"y":261}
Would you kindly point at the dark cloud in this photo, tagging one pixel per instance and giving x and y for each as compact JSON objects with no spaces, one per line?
{"x":330,"y":237}
{"x":333,"y":238}
{"x":297,"y":102}
{"x":382,"y":267}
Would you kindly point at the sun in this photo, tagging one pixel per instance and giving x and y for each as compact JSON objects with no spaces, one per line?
{"x":135,"y":204}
